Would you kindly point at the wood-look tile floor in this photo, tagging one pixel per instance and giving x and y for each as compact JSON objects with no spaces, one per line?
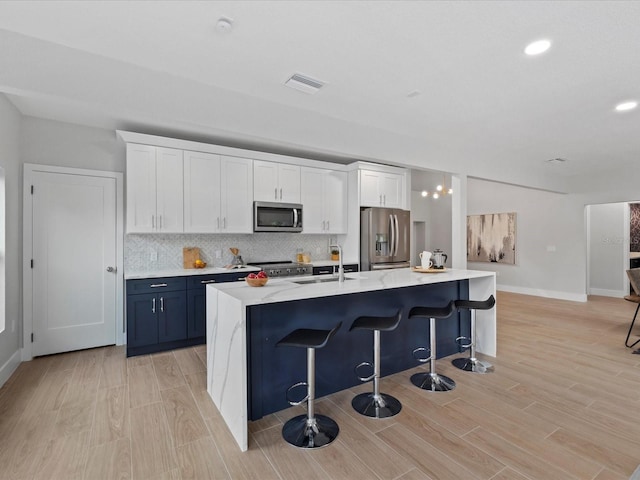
{"x":562,"y":404}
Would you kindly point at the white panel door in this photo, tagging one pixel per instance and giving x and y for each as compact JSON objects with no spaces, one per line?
{"x":201,"y":192}
{"x":335,"y":202}
{"x":265,"y":186}
{"x":141,"y":188}
{"x":74,"y":260}
{"x":289,"y":183}
{"x":169,"y":190}
{"x":312,"y":194}
{"x":236,"y":196}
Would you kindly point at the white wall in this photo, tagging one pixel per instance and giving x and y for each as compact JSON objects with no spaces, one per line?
{"x":435,"y":214}
{"x":550,"y":239}
{"x":10,"y":124}
{"x":607,"y":236}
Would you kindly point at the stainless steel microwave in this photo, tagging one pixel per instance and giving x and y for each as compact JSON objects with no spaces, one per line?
{"x":277,"y":217}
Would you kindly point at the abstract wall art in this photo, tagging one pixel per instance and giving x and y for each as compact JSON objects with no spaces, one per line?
{"x":492,"y":238}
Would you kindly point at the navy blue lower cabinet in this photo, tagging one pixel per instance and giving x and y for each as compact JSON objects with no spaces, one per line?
{"x":172,"y":316}
{"x":273,"y":370}
{"x":142,"y":325}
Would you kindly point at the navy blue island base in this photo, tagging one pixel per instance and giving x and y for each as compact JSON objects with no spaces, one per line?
{"x":271,"y":370}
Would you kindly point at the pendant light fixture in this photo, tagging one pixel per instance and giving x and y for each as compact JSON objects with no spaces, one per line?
{"x":441,"y":190}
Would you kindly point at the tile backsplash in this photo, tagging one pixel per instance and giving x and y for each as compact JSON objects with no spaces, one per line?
{"x":148,"y":252}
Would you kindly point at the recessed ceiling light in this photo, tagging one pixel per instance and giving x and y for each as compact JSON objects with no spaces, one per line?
{"x":224,"y":25}
{"x":537,"y":47}
{"x":625,"y":106}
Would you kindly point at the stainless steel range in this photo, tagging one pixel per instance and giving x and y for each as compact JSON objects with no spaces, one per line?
{"x":284,"y":268}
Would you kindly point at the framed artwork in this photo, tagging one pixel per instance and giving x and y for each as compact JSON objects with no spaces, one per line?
{"x":492,"y":238}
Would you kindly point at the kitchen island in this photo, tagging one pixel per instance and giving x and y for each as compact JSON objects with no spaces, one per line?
{"x":247,"y":376}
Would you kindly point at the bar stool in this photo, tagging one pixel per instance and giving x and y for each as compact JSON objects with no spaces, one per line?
{"x":432,"y":381}
{"x":310,"y":430}
{"x":375,"y":404}
{"x":471,"y":363}
{"x":634,"y":279}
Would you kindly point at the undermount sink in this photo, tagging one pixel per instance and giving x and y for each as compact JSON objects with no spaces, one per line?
{"x":320,"y":280}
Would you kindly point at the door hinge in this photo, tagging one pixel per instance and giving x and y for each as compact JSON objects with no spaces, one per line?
{"x":32,"y":263}
{"x":31,"y":189}
{"x":32,"y":338}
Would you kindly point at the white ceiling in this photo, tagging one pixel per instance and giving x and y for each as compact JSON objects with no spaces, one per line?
{"x":485,"y":108}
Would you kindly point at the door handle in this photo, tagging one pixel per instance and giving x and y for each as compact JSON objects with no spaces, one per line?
{"x":280,"y":194}
{"x":158,"y":285}
{"x":275,"y":193}
{"x":162,"y":304}
{"x":153,"y":305}
{"x":112,"y":269}
{"x":153,"y":222}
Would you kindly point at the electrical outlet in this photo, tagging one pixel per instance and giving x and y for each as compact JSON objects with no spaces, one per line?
{"x":218,"y":253}
{"x":153,"y":256}
{"x":318,"y":251}
{"x":551,"y":248}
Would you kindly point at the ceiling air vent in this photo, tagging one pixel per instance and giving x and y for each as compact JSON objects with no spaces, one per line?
{"x":557,"y":160}
{"x":304,"y":84}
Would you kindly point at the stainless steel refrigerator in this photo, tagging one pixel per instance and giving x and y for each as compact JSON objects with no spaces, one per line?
{"x":384,"y":238}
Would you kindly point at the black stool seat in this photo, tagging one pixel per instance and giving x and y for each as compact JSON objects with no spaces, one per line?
{"x":471,"y":363}
{"x":375,"y":404}
{"x":308,"y":337}
{"x":310,"y":430}
{"x":433,"y":312}
{"x":432,"y":381}
{"x":477,"y":304}
{"x":376,"y":323}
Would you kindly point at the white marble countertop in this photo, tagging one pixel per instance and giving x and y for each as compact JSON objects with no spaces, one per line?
{"x":186,"y":272}
{"x":285,"y":290}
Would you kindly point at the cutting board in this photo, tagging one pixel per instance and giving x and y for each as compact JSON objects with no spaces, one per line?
{"x":189,"y":256}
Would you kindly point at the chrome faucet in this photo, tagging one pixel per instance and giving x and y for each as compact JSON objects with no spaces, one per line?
{"x":340,"y":264}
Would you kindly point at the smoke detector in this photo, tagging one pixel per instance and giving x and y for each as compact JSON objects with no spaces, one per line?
{"x":304,"y":84}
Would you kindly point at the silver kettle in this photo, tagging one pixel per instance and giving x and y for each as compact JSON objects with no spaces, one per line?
{"x":439,"y":258}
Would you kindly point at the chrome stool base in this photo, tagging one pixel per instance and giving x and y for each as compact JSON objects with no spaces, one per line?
{"x":472,"y":365}
{"x":433,"y":382}
{"x":299,"y":433}
{"x":382,"y":407}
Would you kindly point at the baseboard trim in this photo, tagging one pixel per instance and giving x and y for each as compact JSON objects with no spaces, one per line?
{"x":9,"y":367}
{"x":606,"y":293}
{"x":574,"y":297}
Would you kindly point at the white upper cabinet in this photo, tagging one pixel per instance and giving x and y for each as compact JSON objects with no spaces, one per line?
{"x":218,"y":193}
{"x":324,"y":200}
{"x":236,"y":195}
{"x":276,"y":182}
{"x":381,"y":189}
{"x":154,"y":189}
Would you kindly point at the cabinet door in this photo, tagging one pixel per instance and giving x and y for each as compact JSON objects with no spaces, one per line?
{"x":265,"y":187}
{"x":141,"y":188}
{"x":196,"y":313}
{"x":335,"y":202}
{"x":236,"y":196}
{"x":142,"y":319}
{"x":172,"y":316}
{"x":391,"y":189}
{"x":201,"y":192}
{"x":289,"y":183}
{"x":370,"y":195}
{"x":169,"y":190}
{"x":312,"y":195}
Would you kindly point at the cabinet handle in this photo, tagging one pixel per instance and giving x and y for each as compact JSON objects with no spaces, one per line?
{"x":160,"y":222}
{"x":380,"y":199}
{"x":323,"y":229}
{"x":207,"y":281}
{"x":275,"y":193}
{"x":162,"y":304}
{"x":280,"y":194}
{"x":224,"y":223}
{"x":384,"y":195}
{"x":218,"y":223}
{"x":157,"y":285}
{"x":321,"y":272}
{"x":153,"y":222}
{"x":153,"y":305}
{"x":328,"y":227}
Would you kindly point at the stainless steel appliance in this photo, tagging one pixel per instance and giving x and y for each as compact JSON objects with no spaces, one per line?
{"x":284,"y":268}
{"x":277,"y":217}
{"x":384,"y":238}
